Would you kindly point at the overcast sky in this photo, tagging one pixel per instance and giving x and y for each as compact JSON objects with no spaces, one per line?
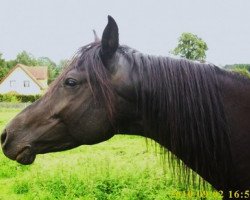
{"x":57,"y":28}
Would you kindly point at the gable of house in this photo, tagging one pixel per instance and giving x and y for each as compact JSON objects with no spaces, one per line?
{"x":24,"y":80}
{"x":40,"y":74}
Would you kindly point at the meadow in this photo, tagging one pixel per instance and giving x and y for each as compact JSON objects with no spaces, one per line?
{"x":124,"y":168}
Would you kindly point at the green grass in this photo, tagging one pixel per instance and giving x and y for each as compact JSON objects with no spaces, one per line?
{"x":122,"y":168}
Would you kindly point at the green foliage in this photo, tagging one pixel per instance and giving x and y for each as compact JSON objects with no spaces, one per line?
{"x":53,"y":70}
{"x":27,"y":98}
{"x":3,"y":72}
{"x":3,"y":67}
{"x":238,"y":66}
{"x":15,"y":98}
{"x":2,"y":61}
{"x":192,"y":47}
{"x":11,"y":63}
{"x":28,"y":59}
{"x":242,"y":71}
{"x":9,"y":98}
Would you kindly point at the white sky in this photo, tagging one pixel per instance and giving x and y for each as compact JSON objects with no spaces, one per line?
{"x":57,"y":28}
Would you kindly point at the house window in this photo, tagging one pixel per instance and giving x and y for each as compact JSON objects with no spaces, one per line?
{"x":26,"y":83}
{"x":12,"y":83}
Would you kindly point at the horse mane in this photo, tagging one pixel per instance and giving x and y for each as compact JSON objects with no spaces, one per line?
{"x":181,"y":105}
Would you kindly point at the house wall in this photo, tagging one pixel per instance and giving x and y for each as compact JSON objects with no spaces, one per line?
{"x":19,"y":76}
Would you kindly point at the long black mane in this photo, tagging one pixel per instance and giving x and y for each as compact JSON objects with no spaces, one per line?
{"x":181,"y":103}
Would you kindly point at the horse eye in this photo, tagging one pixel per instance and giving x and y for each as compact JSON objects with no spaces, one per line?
{"x":70,"y":82}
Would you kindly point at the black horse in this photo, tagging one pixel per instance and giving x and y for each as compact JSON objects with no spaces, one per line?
{"x":197,"y":111}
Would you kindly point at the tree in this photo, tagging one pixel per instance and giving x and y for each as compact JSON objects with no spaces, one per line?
{"x":10,"y":64}
{"x":3,"y":67}
{"x":2,"y":61}
{"x":190,"y":46}
{"x":242,"y":71}
{"x":26,"y":59}
{"x":238,"y":66}
{"x":52,"y":67}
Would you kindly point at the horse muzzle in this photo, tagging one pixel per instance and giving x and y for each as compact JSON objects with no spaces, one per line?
{"x":23,"y":154}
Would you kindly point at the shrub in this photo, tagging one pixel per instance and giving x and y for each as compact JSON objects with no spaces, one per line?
{"x":242,"y":71}
{"x":8,"y":98}
{"x":15,"y":98}
{"x":241,"y":66}
{"x":27,"y":98}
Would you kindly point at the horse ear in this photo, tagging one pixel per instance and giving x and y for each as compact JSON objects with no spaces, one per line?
{"x":110,"y":39}
{"x":97,"y":39}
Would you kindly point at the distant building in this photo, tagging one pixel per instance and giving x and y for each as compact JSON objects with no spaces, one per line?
{"x":25,"y":80}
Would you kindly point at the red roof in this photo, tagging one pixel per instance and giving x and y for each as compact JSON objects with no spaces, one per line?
{"x":40,"y":73}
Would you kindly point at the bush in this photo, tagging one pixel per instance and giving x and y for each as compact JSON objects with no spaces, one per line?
{"x":15,"y":98}
{"x":27,"y":98}
{"x":8,"y":98}
{"x":241,"y":66}
{"x":242,"y":71}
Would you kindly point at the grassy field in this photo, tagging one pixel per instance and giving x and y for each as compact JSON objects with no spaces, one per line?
{"x":122,"y":168}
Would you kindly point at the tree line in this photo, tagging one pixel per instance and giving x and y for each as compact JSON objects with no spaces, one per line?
{"x":28,"y":59}
{"x":189,"y":46}
{"x":192,"y":47}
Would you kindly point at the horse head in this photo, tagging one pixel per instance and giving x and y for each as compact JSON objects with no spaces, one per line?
{"x":81,"y":106}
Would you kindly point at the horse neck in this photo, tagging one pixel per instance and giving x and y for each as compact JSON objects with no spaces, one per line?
{"x":236,"y":98}
{"x":183,"y":112}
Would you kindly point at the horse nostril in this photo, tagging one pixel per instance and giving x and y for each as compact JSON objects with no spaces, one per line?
{"x":3,"y":137}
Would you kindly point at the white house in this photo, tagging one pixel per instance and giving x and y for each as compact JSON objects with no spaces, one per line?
{"x":25,"y":80}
